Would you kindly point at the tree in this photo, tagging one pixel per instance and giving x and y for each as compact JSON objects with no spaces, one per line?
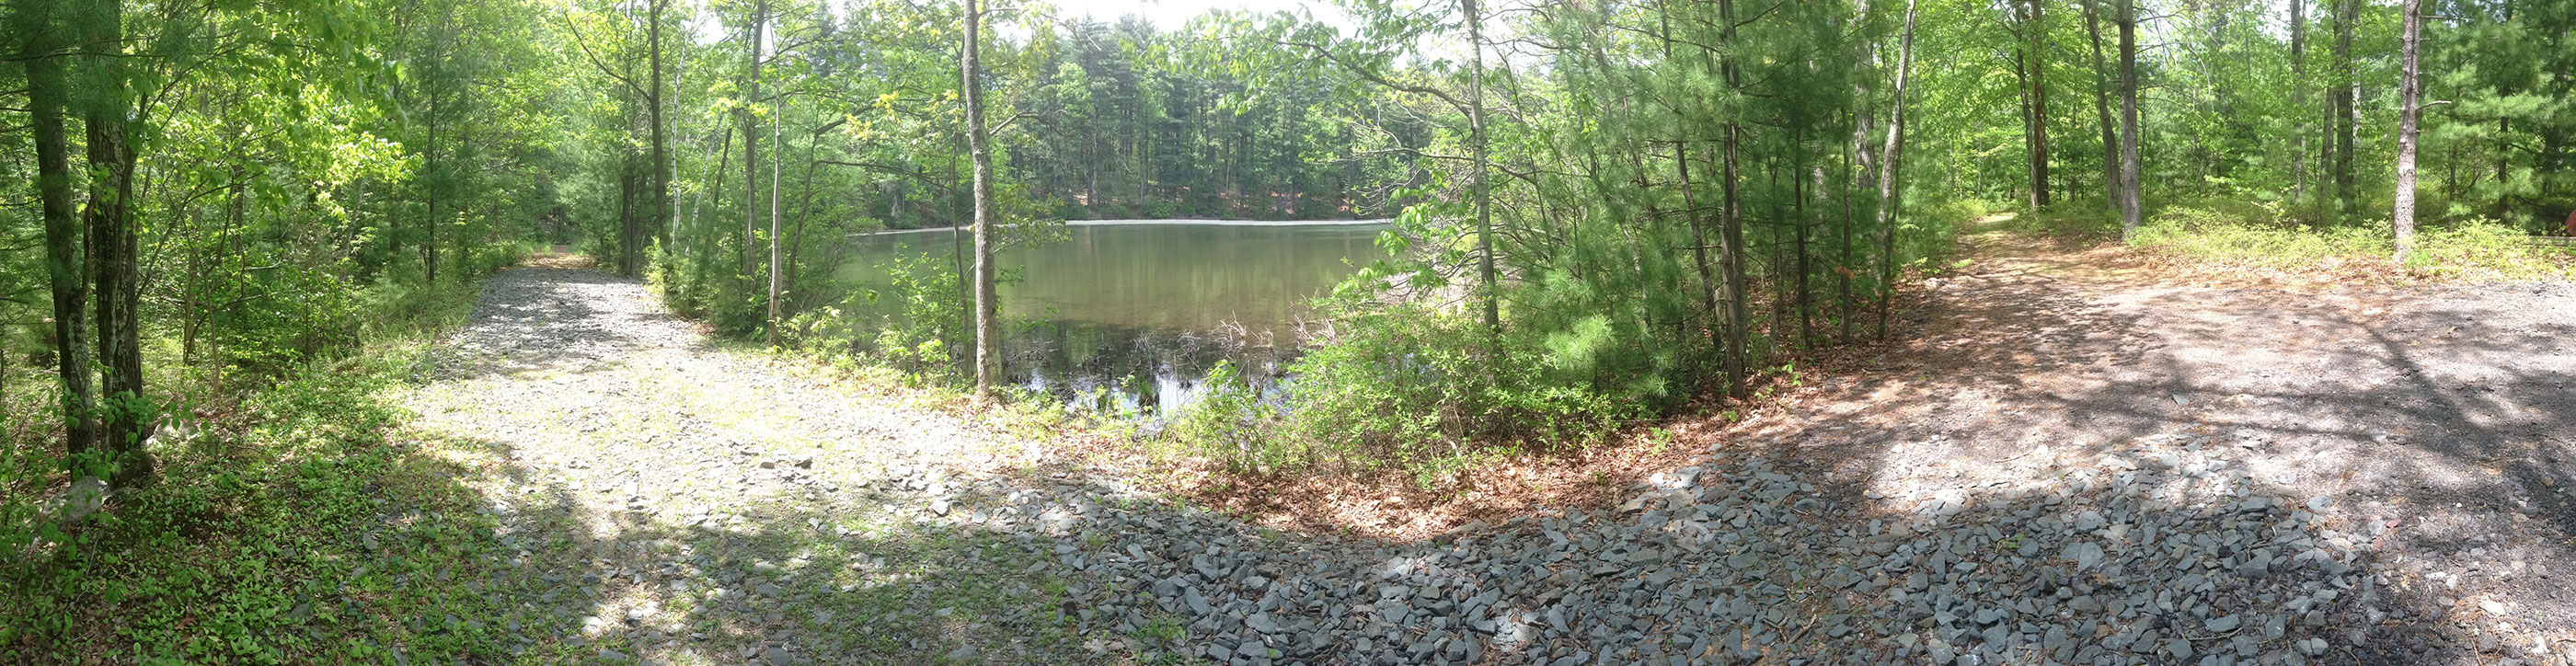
{"x":2102,"y":108}
{"x":655,"y":102}
{"x":1483,"y":158}
{"x":2030,"y":62}
{"x":988,"y":306}
{"x":2409,"y":89}
{"x":1892,"y":156}
{"x":756,"y":23}
{"x":46,"y":55}
{"x":2298,"y":101}
{"x":2130,"y":213}
{"x":123,"y":405}
{"x":2344,"y":113}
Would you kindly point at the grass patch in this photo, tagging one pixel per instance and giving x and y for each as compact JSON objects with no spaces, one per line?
{"x":2256,"y":238}
{"x":286,"y":529}
{"x":2068,"y":223}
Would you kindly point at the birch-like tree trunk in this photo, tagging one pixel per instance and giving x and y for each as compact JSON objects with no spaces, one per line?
{"x":1890,"y":163}
{"x":988,"y":306}
{"x":2410,"y":90}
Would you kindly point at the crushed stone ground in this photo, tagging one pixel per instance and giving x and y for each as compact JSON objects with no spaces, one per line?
{"x":2061,"y":473}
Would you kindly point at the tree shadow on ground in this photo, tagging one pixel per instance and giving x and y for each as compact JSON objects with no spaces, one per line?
{"x":2442,"y":416}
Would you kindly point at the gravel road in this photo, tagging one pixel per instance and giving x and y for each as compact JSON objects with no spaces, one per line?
{"x":691,"y":504}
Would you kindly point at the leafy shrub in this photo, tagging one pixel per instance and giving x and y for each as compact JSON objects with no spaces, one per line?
{"x":2486,"y":249}
{"x":2261,"y":235}
{"x":905,"y":323}
{"x":2252,"y":233}
{"x":1232,"y":425}
{"x":1409,"y":388}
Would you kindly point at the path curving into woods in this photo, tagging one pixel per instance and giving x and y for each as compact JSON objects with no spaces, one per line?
{"x":2082,"y":482}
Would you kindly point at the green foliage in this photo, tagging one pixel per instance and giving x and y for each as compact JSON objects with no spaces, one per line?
{"x":1233,"y":425}
{"x":2083,"y":224}
{"x":2258,"y":235}
{"x":1409,"y":389}
{"x":926,"y":314}
{"x":242,"y":547}
{"x":2251,"y":232}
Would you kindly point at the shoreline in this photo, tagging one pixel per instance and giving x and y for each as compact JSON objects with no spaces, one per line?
{"x":1161,"y":223}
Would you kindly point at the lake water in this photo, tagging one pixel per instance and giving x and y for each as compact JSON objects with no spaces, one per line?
{"x":1131,"y":314}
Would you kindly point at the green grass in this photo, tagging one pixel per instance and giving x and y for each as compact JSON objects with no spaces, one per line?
{"x":311,"y":523}
{"x":292,"y":532}
{"x":2256,"y":237}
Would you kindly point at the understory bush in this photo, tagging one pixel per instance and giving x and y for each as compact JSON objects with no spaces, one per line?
{"x":906,"y":323}
{"x":266,"y":510}
{"x":1412,"y":389}
{"x":2260,"y":235}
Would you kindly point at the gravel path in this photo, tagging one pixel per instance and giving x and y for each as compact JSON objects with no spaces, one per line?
{"x":684,"y":504}
{"x":2438,"y":422}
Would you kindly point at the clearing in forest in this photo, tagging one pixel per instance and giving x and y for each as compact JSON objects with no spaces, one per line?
{"x":2070,"y":467}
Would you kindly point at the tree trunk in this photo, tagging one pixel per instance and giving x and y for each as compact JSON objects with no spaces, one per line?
{"x":988,"y":305}
{"x":2298,"y":101}
{"x":698,"y":272}
{"x":429,"y":184}
{"x":2035,"y":102}
{"x":2504,"y":156}
{"x":1699,"y":244}
{"x":777,"y":150}
{"x":751,"y":145}
{"x":2344,"y":108}
{"x":1890,"y":163}
{"x":663,"y":214}
{"x":1690,"y":208}
{"x":1731,"y":224}
{"x":2102,"y":108}
{"x":112,"y":253}
{"x":626,"y":216}
{"x":1484,"y":193}
{"x":2130,"y":212}
{"x":2409,"y":88}
{"x":48,"y":92}
{"x":1856,"y":179}
{"x":804,"y":210}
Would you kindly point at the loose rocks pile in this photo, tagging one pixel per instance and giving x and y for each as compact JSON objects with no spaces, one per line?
{"x":1733,"y":561}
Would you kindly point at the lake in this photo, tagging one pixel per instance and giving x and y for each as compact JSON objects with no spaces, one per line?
{"x":1131,"y":314}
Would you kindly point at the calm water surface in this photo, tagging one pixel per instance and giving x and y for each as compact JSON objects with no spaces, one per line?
{"x":1130,"y":315}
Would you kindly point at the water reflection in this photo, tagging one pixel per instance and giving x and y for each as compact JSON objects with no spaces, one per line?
{"x":1131,"y":316}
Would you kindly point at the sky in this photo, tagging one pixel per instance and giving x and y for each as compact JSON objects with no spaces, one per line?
{"x":1171,"y":14}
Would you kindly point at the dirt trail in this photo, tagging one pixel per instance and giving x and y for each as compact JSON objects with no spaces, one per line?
{"x":2446,"y":414}
{"x":689,"y":504}
{"x":2062,"y":467}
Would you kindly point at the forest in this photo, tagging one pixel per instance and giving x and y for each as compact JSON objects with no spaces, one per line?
{"x":234,"y":236}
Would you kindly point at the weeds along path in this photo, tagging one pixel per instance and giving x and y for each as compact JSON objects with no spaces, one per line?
{"x":665,"y":501}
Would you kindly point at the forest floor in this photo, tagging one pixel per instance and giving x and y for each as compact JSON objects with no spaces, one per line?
{"x":2068,"y":461}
